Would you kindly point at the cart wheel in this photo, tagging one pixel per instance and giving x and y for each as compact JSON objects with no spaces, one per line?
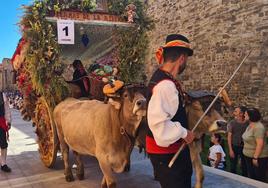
{"x":46,"y":133}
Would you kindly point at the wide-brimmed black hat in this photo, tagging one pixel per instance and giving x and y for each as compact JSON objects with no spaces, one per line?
{"x":178,"y":41}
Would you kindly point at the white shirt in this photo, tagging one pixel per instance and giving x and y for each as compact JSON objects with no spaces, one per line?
{"x":7,"y":110}
{"x":213,"y":150}
{"x":162,"y":107}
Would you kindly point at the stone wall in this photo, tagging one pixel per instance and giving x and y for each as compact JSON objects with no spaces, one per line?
{"x":7,"y":75}
{"x":221,"y":32}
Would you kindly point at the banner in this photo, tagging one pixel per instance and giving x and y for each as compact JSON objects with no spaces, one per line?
{"x":65,"y":31}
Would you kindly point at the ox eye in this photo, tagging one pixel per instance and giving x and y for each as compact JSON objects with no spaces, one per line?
{"x":125,"y":95}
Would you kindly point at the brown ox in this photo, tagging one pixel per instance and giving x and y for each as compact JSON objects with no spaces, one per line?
{"x":212,"y":122}
{"x":105,"y":131}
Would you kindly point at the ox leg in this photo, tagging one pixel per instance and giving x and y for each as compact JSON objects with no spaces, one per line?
{"x":80,"y":166}
{"x":108,"y":180}
{"x":195,"y":148}
{"x":67,"y":168}
{"x":64,"y":148}
{"x":127,"y":167}
{"x":65,"y":155}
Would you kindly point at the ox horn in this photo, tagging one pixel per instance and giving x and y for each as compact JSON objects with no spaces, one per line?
{"x":214,"y":100}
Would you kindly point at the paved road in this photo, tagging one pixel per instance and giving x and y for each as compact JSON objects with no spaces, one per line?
{"x":28,"y":171}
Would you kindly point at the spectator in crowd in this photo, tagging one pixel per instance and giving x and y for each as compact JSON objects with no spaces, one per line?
{"x":255,"y":145}
{"x":80,"y":78}
{"x":5,"y":124}
{"x":236,"y":128}
{"x":216,"y":153}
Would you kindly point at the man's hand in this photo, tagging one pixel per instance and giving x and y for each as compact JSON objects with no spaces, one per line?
{"x":225,"y":97}
{"x":190,"y":137}
{"x":9,"y":125}
{"x":255,"y":162}
{"x":231,"y":153}
{"x":7,"y":136}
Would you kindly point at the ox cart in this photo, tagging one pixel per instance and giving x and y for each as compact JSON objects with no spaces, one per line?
{"x":41,"y":59}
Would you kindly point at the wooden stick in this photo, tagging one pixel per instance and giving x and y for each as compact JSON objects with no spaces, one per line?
{"x":201,"y":118}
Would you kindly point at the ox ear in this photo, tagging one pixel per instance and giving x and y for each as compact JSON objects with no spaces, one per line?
{"x":116,"y":104}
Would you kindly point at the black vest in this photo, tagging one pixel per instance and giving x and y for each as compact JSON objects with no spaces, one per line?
{"x":180,"y":115}
{"x":2,"y":105}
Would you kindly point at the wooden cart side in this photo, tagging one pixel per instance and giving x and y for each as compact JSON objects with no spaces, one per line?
{"x":46,"y":132}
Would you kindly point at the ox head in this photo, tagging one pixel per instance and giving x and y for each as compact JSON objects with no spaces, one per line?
{"x":213,"y":120}
{"x":131,"y":104}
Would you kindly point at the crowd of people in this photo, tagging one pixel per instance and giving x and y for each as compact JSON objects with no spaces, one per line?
{"x":14,"y":99}
{"x":247,"y":145}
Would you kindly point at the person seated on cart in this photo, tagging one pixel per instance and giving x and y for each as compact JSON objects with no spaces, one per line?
{"x":80,"y":78}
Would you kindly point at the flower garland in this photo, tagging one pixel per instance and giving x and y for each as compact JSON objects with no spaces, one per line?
{"x":42,"y":60}
{"x":132,"y":42}
{"x":42,"y":63}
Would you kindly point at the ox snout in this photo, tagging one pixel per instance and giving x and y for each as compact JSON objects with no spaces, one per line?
{"x":218,"y":126}
{"x":221,"y":124}
{"x":140,"y":107}
{"x":120,"y":167}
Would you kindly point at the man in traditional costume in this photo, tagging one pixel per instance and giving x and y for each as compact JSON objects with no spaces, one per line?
{"x":166,"y":115}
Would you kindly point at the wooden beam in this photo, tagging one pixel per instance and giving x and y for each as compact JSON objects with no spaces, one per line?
{"x":96,"y":22}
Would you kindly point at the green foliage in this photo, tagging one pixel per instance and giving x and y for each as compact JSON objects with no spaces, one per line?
{"x":77,"y":5}
{"x":132,"y":42}
{"x":131,"y":53}
{"x":117,"y":6}
{"x":42,"y":58}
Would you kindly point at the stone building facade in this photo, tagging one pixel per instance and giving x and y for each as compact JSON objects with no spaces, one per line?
{"x":221,"y":32}
{"x":6,"y":75}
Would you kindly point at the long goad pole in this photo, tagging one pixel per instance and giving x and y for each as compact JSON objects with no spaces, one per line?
{"x":211,"y":104}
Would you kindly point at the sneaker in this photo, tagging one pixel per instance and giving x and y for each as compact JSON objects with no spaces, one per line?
{"x":5,"y":168}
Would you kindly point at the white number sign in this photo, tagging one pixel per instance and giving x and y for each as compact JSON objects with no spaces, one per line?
{"x":65,"y":31}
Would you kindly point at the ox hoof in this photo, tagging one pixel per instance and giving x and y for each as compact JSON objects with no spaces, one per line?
{"x":127,"y":168}
{"x":80,"y":176}
{"x":103,"y":185}
{"x":198,"y":185}
{"x":112,"y":185}
{"x":69,"y":178}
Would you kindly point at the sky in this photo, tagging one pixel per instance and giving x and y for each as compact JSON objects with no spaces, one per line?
{"x":10,"y":14}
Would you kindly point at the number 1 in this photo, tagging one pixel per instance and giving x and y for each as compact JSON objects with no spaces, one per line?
{"x":66,"y":30}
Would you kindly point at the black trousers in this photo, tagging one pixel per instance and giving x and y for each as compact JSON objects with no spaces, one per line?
{"x":179,"y":175}
{"x":3,"y":139}
{"x":238,"y":152}
{"x":257,"y":173}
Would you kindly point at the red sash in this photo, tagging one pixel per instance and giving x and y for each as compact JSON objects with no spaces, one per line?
{"x":152,"y":147}
{"x":3,"y":124}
